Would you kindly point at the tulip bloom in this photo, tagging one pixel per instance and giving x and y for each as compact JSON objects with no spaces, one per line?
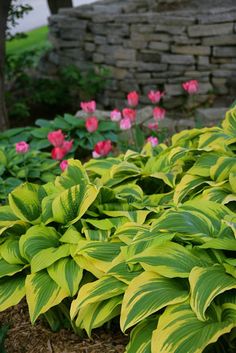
{"x":91,"y":124}
{"x":125,"y":124}
{"x":88,"y":107}
{"x":129,"y":114}
{"x":102,"y":148}
{"x":153,"y":126}
{"x":159,"y":113}
{"x":191,"y":86}
{"x":22,"y":147}
{"x":67,"y":146}
{"x":64,"y":165}
{"x":56,"y":138}
{"x":155,"y":96}
{"x":153,"y":140}
{"x":58,"y":153}
{"x":115,"y":115}
{"x":133,"y":99}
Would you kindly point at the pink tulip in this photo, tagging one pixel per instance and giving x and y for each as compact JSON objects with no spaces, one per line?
{"x":64,"y":165}
{"x":58,"y":153}
{"x":88,"y":107}
{"x":115,"y":115}
{"x":91,"y":124}
{"x":56,"y":138}
{"x":22,"y":147}
{"x":125,"y":124}
{"x":102,"y":148}
{"x":191,"y":86}
{"x":153,"y":126}
{"x":129,"y":114}
{"x":155,"y":96}
{"x":153,"y":140}
{"x":133,"y":99}
{"x":67,"y":146}
{"x":159,"y":113}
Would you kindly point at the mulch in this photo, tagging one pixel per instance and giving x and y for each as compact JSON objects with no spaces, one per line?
{"x":22,"y":337}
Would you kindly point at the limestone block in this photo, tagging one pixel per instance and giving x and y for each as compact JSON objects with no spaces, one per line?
{"x":225,"y":51}
{"x":170,"y":20}
{"x":147,"y":28}
{"x":114,"y":39}
{"x":159,"y":46}
{"x":98,"y":58}
{"x":210,"y":30}
{"x":211,"y":114}
{"x":180,"y":68}
{"x":89,"y":46}
{"x":148,"y":56}
{"x":135,"y":44}
{"x":203,"y":60}
{"x":151,"y":37}
{"x":149,"y":67}
{"x":220,"y":85}
{"x":229,"y":39}
{"x":191,"y":49}
{"x":124,"y":54}
{"x":126,"y":63}
{"x":217,"y":18}
{"x":222,"y":73}
{"x":100,"y":40}
{"x":174,"y":89}
{"x":171,"y":29}
{"x":184,"y":39}
{"x":177,"y":59}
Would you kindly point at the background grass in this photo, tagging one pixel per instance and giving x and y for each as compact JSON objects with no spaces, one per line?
{"x":36,"y":39}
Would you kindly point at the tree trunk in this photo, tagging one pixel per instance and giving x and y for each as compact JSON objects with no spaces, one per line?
{"x":4,"y":8}
{"x":55,"y":5}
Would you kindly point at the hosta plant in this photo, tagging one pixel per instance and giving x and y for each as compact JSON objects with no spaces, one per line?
{"x":148,"y":237}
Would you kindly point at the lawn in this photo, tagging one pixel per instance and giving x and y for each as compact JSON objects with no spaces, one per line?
{"x":36,"y":39}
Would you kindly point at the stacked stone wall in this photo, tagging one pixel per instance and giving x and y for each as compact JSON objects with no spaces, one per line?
{"x":145,"y":49}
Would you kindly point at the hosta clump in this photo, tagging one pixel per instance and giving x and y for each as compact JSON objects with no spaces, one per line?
{"x":149,"y":237}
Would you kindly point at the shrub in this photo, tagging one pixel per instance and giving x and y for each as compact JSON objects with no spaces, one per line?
{"x":148,"y":236}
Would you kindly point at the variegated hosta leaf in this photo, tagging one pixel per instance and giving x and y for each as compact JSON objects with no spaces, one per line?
{"x":107,"y":223}
{"x":104,"y":288}
{"x":141,"y":336}
{"x":138,"y":216}
{"x":206,"y":284}
{"x":187,"y":184}
{"x":202,"y":165}
{"x":7,"y":269}
{"x":67,"y":274}
{"x":47,"y":257}
{"x":180,"y":331}
{"x":8,"y":220}
{"x":214,"y":140}
{"x":168,"y":259}
{"x":42,"y":293}
{"x":130,"y":192}
{"x":73,"y":175}
{"x":121,"y":270}
{"x":232,"y":181}
{"x":36,"y":239}
{"x":148,"y":293}
{"x":229,"y":123}
{"x":71,"y":236}
{"x":127,"y":232}
{"x":196,"y":217}
{"x":220,"y":194}
{"x":12,"y":290}
{"x":96,"y":314}
{"x":99,"y":254}
{"x":101,"y":166}
{"x":10,"y":251}
{"x":119,"y":173}
{"x":222,"y":168}
{"x":220,"y":244}
{"x":25,"y":202}
{"x":97,"y":234}
{"x":70,"y":205}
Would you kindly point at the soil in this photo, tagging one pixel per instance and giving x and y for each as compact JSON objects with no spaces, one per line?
{"x":195,"y":5}
{"x":22,"y":337}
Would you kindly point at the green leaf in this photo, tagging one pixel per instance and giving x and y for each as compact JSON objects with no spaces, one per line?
{"x":179,"y":330}
{"x":12,"y":290}
{"x":147,"y":294}
{"x":206,"y":284}
{"x":42,"y":293}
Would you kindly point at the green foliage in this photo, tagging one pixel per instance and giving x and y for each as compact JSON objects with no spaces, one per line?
{"x":148,"y":236}
{"x":15,"y":168}
{"x":3,"y":333}
{"x":27,"y":91}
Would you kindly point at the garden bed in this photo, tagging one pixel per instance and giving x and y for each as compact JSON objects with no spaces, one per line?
{"x":22,"y":337}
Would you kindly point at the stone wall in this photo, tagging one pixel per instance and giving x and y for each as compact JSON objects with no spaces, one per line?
{"x":148,"y":48}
